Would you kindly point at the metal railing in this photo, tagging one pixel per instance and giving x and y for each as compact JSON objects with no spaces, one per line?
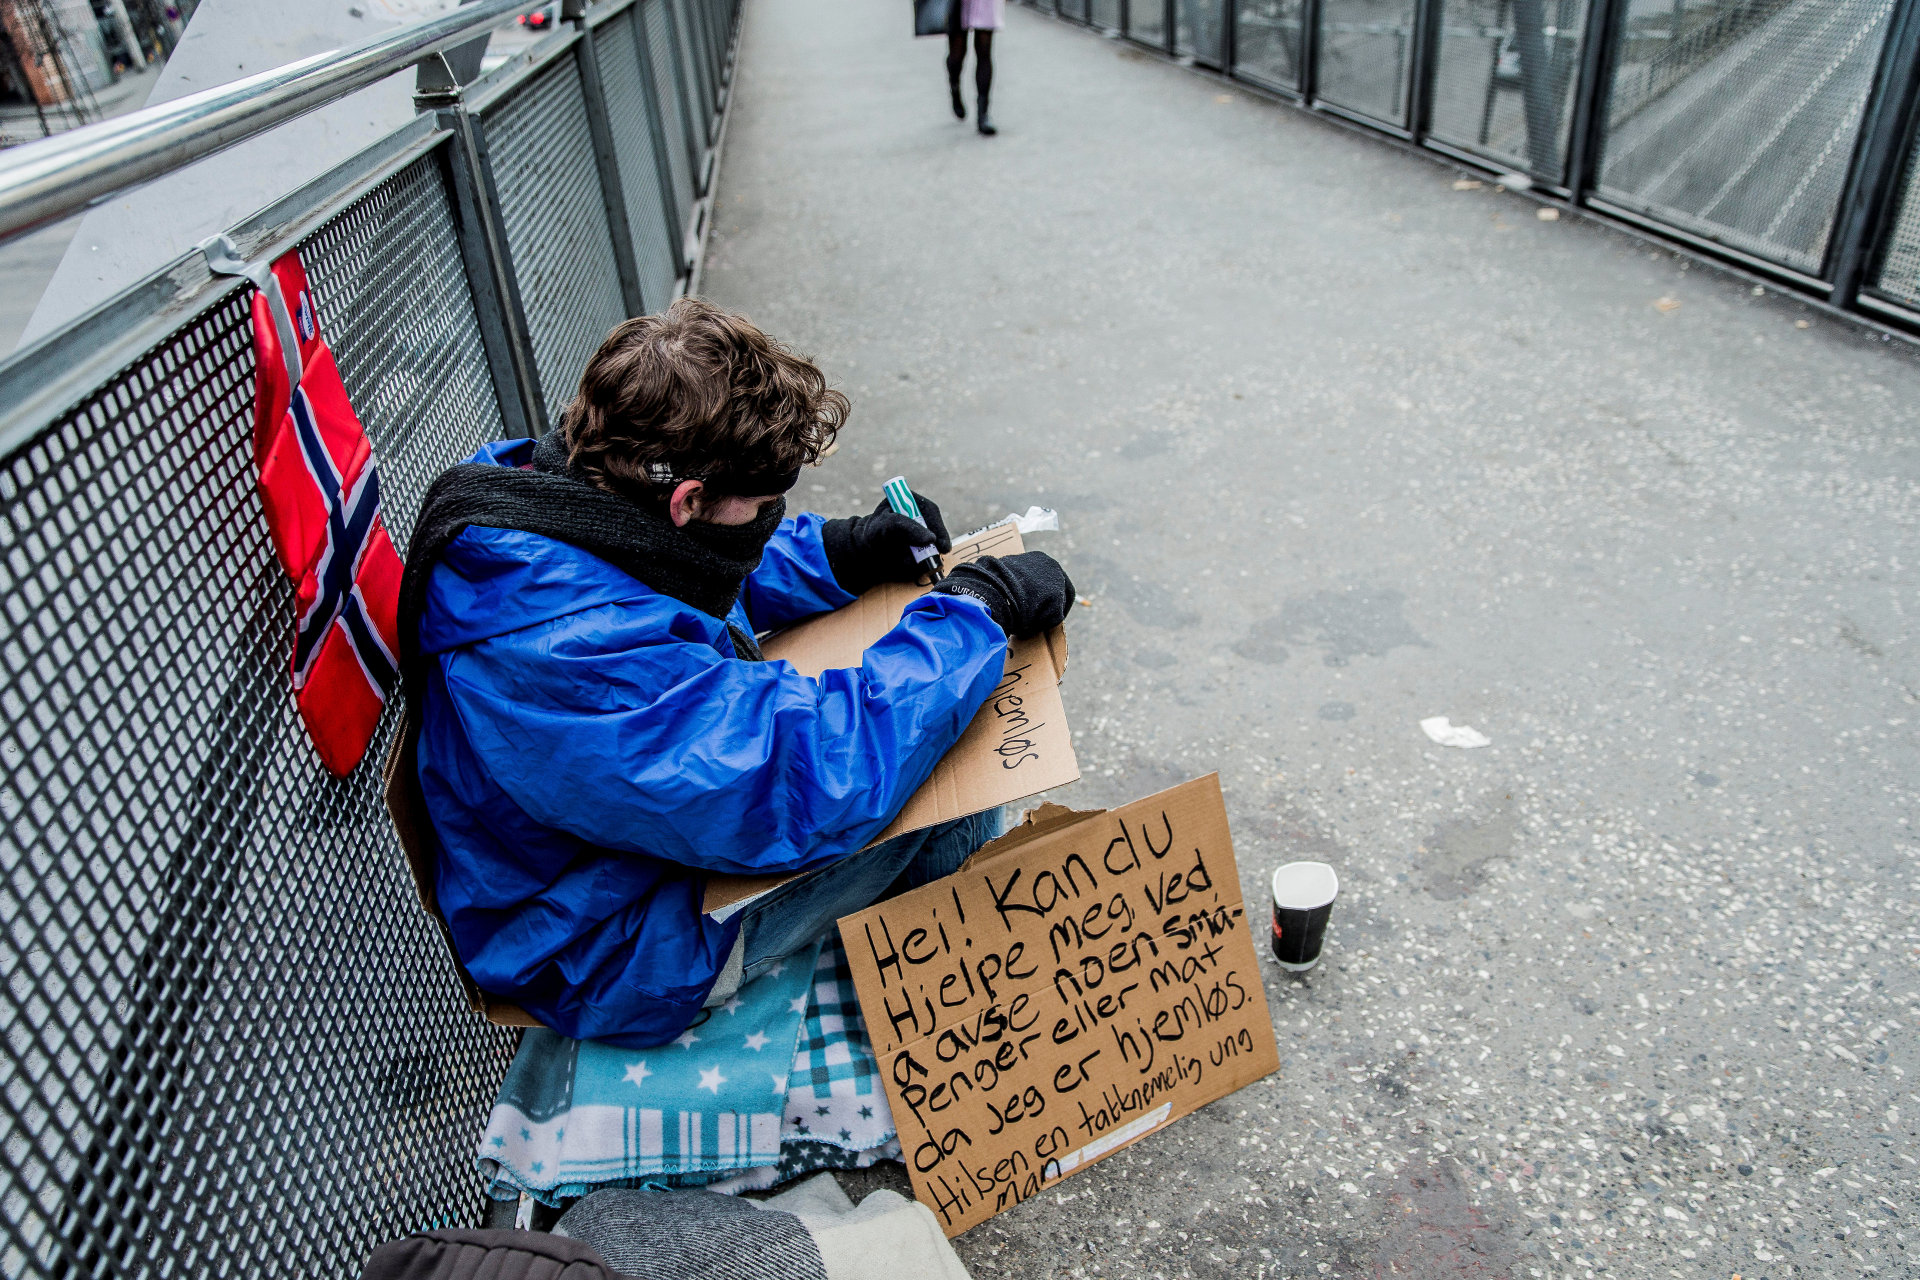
{"x":1781,"y":137}
{"x":233,"y":1043}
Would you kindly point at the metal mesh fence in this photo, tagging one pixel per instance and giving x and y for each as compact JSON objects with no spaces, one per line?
{"x":556,"y":225}
{"x":699,"y":92}
{"x":1366,"y":52}
{"x":618,"y":53}
{"x":230,"y":1026}
{"x":1267,"y":42}
{"x":1147,"y":21}
{"x":1769,"y":132}
{"x":1104,"y":13}
{"x":234,"y":1044}
{"x":668,"y":93}
{"x":1200,"y":28}
{"x":1736,"y":120}
{"x":1504,"y":82}
{"x":1899,"y":274}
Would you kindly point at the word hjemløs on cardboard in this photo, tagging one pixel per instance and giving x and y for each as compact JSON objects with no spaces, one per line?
{"x":1079,"y":983}
{"x":1017,"y":746}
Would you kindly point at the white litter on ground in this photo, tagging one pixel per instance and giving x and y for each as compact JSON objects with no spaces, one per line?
{"x":1036,"y":520}
{"x":1448,"y":734}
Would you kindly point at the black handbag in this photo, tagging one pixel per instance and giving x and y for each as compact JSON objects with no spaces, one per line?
{"x":930,"y":16}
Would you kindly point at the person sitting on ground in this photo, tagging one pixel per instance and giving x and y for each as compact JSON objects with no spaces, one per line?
{"x":598,"y":730}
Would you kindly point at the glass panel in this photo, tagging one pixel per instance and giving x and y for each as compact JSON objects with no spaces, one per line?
{"x":1147,"y":21}
{"x":1106,"y":13}
{"x":1267,"y":42}
{"x":1200,"y":29}
{"x":1365,"y":48}
{"x":1504,"y":83}
{"x":1735,"y":119}
{"x":1899,"y":276}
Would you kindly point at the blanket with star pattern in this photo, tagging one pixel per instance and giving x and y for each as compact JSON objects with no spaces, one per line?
{"x":778,"y":1080}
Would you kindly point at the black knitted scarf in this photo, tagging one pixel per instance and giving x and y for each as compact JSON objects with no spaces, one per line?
{"x":703,"y":565}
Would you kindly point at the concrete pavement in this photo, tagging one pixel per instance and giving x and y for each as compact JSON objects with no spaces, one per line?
{"x":1338,"y":447}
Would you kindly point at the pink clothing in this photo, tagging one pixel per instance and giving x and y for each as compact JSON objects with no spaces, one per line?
{"x":982,"y":15}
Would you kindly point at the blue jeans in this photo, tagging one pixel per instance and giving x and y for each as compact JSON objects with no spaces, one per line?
{"x":792,"y":916}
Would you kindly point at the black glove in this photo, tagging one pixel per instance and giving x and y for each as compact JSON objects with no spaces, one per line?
{"x":1029,"y":593}
{"x":865,"y":551}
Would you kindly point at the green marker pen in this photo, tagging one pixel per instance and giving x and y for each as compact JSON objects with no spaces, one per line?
{"x":900,"y":498}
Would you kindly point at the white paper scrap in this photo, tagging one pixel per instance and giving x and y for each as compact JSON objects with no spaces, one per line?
{"x":1448,"y":734}
{"x":1037,"y":520}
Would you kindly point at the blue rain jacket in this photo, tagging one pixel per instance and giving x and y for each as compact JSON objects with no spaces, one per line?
{"x":591,"y":749}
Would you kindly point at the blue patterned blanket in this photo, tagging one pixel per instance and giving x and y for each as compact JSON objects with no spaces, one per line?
{"x":778,"y":1081}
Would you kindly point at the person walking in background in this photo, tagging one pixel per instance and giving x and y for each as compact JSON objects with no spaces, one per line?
{"x":983,"y":18}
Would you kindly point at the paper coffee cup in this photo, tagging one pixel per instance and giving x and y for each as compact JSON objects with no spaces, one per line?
{"x":1303,"y":894}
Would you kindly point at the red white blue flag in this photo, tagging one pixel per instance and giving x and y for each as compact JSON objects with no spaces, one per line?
{"x":321,"y":491}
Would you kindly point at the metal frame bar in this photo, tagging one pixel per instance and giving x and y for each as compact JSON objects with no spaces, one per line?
{"x":1424,"y":66}
{"x":1870,"y":196}
{"x":1309,"y":87}
{"x":42,"y":382}
{"x":45,"y":180}
{"x":1586,"y":132}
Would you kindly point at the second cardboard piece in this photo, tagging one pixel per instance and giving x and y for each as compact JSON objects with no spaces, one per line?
{"x":1017,"y":745}
{"x":1079,"y":983}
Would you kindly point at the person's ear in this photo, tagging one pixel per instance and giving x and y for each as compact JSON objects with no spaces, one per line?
{"x":685,"y":503}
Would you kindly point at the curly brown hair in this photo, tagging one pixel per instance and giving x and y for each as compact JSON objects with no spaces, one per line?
{"x":697,"y":392}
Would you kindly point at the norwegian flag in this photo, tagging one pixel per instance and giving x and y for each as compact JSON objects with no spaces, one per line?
{"x":321,"y":491}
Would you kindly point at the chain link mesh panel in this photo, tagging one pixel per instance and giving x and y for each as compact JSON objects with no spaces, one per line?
{"x":235,"y":1045}
{"x":1899,"y":275}
{"x":1267,"y":42}
{"x":1366,"y":51}
{"x":673,"y":116}
{"x":555,"y":216}
{"x":1104,"y":14}
{"x":1505,"y":79}
{"x":618,"y":54}
{"x":1736,"y":119}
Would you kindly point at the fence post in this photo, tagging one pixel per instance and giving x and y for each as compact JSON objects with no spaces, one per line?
{"x":657,"y":131}
{"x":483,"y":250}
{"x":1427,"y":15}
{"x":1309,"y":51}
{"x":1586,"y":133}
{"x":605,"y":162}
{"x":1868,"y":201}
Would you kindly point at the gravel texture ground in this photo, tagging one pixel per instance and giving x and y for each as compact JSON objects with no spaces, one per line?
{"x":1338,"y":447}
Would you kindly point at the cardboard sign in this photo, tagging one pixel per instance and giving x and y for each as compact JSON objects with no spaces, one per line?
{"x":1080,"y":982}
{"x":1017,"y":745}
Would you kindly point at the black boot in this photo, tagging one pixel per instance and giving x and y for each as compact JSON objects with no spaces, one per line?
{"x":953,"y":86}
{"x":981,"y":120}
